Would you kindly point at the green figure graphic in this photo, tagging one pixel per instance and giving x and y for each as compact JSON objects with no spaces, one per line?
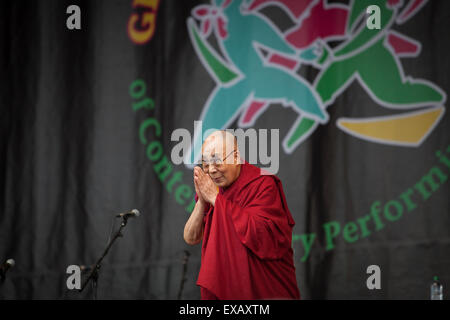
{"x":367,"y":57}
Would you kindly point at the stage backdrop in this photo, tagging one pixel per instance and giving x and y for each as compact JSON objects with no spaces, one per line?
{"x":87,"y":117}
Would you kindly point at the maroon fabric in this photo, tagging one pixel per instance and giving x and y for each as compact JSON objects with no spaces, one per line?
{"x":246,"y":249}
{"x":205,"y":294}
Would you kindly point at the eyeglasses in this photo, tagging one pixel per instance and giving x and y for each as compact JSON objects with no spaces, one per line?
{"x":215,"y":161}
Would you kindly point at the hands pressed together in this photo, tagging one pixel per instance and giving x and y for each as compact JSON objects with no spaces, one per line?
{"x":204,"y":187}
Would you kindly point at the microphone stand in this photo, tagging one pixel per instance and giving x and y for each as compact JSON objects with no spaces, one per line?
{"x":93,"y":275}
{"x":183,"y":276}
{"x":4,"y":269}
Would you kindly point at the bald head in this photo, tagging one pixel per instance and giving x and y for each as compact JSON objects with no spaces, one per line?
{"x":221,"y":158}
{"x":220,"y":140}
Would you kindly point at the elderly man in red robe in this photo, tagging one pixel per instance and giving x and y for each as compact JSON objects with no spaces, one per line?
{"x":242,"y":217}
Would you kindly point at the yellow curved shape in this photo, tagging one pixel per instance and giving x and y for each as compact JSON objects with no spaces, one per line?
{"x":408,"y":129}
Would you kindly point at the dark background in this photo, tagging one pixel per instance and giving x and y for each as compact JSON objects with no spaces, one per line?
{"x":71,"y":158}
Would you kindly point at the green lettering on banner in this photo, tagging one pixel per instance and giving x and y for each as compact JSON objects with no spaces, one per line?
{"x":363,"y":225}
{"x":182,"y":193}
{"x":142,"y":88}
{"x":349,"y":232}
{"x":427,"y":180}
{"x":375,"y":209}
{"x":392,"y":211}
{"x":307,"y":240}
{"x":147,"y":103}
{"x":177,"y":177}
{"x":398,"y":208}
{"x":163,"y":168}
{"x":150,"y":150}
{"x":155,"y":151}
{"x":191,"y":206}
{"x":443,"y":158}
{"x":331,"y":234}
{"x":406,"y":197}
{"x":147,"y":123}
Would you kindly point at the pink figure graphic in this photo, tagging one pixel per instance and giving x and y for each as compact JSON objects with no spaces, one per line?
{"x":402,"y":45}
{"x":314,"y":21}
{"x":325,"y":23}
{"x":294,"y":7}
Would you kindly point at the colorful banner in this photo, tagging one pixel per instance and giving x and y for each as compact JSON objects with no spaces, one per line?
{"x":89,"y":129}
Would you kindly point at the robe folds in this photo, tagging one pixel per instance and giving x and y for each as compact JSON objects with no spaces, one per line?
{"x":246,"y":248}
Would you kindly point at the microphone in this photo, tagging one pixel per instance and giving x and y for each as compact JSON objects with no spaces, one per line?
{"x":84,"y":268}
{"x":128,"y":214}
{"x":5,"y":267}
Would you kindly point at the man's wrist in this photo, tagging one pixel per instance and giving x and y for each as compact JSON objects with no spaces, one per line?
{"x":213,"y":200}
{"x":202,"y":204}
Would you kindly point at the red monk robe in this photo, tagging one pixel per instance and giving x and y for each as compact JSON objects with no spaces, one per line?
{"x":246,"y":249}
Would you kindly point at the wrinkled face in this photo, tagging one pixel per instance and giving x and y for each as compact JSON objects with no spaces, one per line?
{"x":220,"y":160}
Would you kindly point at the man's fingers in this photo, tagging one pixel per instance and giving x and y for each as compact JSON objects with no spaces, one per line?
{"x":198,"y":183}
{"x":201,"y":173}
{"x":206,"y":178}
{"x":204,"y":175}
{"x":201,"y":176}
{"x":197,"y":189}
{"x":203,"y":179}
